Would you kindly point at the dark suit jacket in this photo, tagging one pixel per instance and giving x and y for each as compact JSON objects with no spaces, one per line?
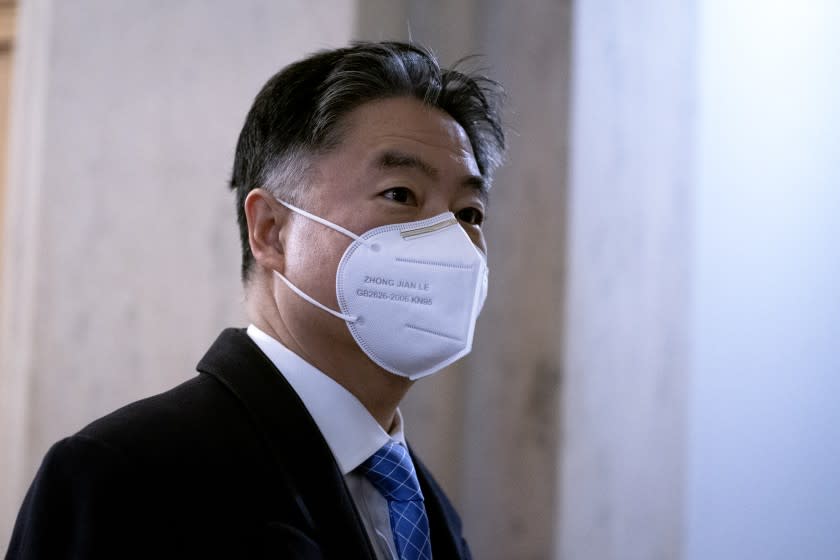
{"x":227,"y":465}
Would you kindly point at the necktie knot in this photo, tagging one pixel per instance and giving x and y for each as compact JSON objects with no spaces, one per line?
{"x":391,"y":471}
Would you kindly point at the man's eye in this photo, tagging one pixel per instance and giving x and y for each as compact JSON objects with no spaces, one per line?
{"x":402,"y":195}
{"x":471,"y":216}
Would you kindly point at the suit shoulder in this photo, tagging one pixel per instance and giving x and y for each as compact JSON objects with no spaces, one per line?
{"x":184,"y":419}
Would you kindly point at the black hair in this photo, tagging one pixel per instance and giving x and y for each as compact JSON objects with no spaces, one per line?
{"x":298,"y":114}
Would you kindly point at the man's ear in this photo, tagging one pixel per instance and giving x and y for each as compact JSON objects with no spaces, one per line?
{"x":265,"y":229}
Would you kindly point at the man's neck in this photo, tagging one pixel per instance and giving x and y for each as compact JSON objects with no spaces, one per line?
{"x":378,"y":390}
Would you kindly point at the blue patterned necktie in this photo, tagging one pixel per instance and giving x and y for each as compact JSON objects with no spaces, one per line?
{"x":391,"y":471}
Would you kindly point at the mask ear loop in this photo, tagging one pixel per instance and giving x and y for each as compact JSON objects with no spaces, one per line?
{"x":339,"y":229}
{"x":324,"y":222}
{"x":316,"y":303}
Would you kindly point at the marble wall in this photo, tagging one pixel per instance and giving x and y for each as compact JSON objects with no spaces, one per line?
{"x":122,"y":258}
{"x":629,"y":226}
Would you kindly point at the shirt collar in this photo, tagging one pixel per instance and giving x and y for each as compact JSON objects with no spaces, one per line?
{"x":351,"y":432}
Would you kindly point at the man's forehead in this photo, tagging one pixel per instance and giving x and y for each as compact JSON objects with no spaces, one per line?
{"x":405,"y":134}
{"x":409,"y":119}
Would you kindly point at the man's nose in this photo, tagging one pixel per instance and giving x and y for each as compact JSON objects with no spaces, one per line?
{"x":435,"y":206}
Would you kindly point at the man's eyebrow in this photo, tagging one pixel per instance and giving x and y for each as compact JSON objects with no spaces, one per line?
{"x":393,"y":159}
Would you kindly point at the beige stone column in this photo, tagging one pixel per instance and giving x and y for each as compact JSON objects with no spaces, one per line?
{"x":515,"y":376}
{"x":490,"y":426}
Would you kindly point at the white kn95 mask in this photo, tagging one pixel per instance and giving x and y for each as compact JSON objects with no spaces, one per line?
{"x":410,"y":293}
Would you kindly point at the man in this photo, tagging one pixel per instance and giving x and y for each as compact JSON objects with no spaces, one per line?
{"x":361,"y":177}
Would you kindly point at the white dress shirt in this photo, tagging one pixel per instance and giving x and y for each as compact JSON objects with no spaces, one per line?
{"x":351,"y":432}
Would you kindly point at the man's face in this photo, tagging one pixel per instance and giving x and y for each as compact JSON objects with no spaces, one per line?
{"x":399,"y":161}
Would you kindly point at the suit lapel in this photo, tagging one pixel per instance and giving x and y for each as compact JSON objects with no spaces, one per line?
{"x":295,"y":442}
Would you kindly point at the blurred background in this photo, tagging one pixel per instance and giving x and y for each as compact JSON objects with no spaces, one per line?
{"x":656,"y":374}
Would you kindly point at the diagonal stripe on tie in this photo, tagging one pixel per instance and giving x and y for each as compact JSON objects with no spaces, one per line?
{"x":391,"y":472}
